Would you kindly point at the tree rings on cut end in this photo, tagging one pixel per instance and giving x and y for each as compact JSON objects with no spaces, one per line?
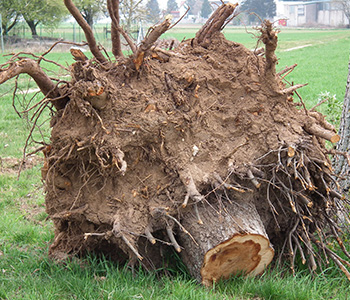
{"x":248,"y":254}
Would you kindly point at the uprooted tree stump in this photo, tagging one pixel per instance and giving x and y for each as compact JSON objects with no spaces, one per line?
{"x":201,"y":149}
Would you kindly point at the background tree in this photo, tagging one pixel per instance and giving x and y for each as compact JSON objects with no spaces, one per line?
{"x":206,"y":9}
{"x":131,"y":11}
{"x":345,"y":7}
{"x":153,"y":11}
{"x":91,"y":10}
{"x":36,"y":12}
{"x":9,"y":14}
{"x":172,"y":6}
{"x":191,"y":4}
{"x":264,"y":9}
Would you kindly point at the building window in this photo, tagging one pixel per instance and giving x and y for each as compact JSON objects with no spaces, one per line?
{"x":300,"y":10}
{"x":324,"y":6}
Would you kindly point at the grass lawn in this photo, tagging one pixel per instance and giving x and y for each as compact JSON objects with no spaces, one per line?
{"x":25,"y":232}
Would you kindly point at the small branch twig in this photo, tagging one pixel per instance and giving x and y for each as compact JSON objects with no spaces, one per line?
{"x":178,"y":21}
{"x":181,"y":227}
{"x":118,"y":233}
{"x":286,"y":70}
{"x":251,"y":177}
{"x":293,"y":88}
{"x":149,"y":235}
{"x":318,"y":104}
{"x":335,"y":257}
{"x":199,"y":220}
{"x":296,"y":241}
{"x":127,"y":242}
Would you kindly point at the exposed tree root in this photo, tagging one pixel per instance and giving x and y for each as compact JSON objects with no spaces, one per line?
{"x":193,"y":149}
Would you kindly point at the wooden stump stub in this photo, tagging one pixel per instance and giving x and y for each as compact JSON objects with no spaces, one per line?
{"x":243,"y":253}
{"x":231,"y":240}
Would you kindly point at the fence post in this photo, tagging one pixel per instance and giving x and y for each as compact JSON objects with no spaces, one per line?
{"x":1,"y":36}
{"x":41,"y":36}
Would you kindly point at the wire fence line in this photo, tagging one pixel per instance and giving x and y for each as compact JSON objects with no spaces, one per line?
{"x":68,"y":31}
{"x":21,"y":34}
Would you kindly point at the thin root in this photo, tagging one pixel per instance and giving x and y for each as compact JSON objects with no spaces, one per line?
{"x":171,"y":236}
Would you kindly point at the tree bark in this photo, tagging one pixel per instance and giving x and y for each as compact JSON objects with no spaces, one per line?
{"x":341,"y":165}
{"x":115,"y":34}
{"x":148,"y":42}
{"x":118,"y":28}
{"x":227,"y":243}
{"x":6,"y":29}
{"x":32,"y":27}
{"x":87,"y":30}
{"x":214,"y":24}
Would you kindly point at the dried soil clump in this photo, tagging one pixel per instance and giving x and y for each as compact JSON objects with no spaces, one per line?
{"x":200,"y":149}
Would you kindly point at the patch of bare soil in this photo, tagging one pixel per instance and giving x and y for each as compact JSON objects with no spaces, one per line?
{"x":11,"y":165}
{"x":33,"y":210}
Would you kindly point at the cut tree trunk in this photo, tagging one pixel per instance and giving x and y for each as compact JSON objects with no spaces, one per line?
{"x":225,"y":241}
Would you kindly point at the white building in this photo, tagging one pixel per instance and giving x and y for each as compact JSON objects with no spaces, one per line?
{"x":311,"y":13}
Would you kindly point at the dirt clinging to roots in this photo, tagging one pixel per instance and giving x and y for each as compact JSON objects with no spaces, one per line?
{"x":138,"y":152}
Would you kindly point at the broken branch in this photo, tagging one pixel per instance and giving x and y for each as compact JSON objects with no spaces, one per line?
{"x":214,"y":24}
{"x":87,"y":30}
{"x":148,"y":42}
{"x":32,"y":68}
{"x":322,"y":133}
{"x":253,"y":179}
{"x":269,"y":38}
{"x":293,"y":88}
{"x":149,"y":235}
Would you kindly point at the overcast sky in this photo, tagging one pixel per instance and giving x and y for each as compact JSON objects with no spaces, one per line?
{"x":162,"y":4}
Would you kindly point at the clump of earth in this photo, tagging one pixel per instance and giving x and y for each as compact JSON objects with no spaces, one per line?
{"x":200,"y":150}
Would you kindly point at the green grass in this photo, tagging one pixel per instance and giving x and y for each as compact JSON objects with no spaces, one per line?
{"x":323,"y":65}
{"x":25,"y":233}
